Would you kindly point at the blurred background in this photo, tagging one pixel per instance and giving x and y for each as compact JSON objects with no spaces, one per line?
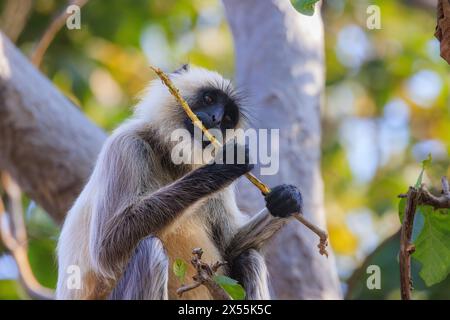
{"x":386,"y":106}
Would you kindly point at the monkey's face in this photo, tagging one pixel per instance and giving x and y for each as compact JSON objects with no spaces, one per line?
{"x":216,"y":108}
{"x":211,"y":97}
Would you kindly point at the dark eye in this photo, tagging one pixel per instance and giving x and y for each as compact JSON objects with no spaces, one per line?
{"x":208,"y":99}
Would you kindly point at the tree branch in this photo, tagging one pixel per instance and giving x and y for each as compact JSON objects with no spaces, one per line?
{"x":13,"y":235}
{"x":414,"y":198}
{"x":51,"y":32}
{"x":47,"y":145}
{"x":443,"y":28}
{"x":406,"y":247}
{"x":440,"y":202}
{"x":205,"y":276}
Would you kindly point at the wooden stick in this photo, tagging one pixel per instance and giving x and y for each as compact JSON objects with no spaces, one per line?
{"x":406,"y":246}
{"x":196,"y":121}
{"x":258,"y":183}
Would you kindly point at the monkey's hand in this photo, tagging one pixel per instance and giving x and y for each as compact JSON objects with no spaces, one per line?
{"x":233,"y":160}
{"x":284,"y":200}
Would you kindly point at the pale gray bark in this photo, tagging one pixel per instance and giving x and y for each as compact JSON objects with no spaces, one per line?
{"x":280,"y":63}
{"x":46,"y":143}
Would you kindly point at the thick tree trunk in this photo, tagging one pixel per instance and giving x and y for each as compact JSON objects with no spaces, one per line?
{"x":280,"y":63}
{"x":46,"y":143}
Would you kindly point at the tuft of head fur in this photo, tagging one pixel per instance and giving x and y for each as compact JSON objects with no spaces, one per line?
{"x":160,"y":109}
{"x":157,"y":104}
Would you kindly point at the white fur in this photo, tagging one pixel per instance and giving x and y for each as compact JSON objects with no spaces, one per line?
{"x":149,"y":108}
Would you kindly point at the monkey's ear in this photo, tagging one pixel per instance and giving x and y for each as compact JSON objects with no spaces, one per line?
{"x":182,"y":69}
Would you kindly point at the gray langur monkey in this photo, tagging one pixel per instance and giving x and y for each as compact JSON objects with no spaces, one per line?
{"x":139,"y":211}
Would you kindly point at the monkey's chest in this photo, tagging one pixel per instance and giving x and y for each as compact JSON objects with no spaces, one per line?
{"x":179,"y":243}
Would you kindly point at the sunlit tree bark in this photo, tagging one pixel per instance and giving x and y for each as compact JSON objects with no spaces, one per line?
{"x":46,"y":143}
{"x":280,"y":63}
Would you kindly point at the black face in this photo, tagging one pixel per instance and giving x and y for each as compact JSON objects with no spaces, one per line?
{"x":215,"y":109}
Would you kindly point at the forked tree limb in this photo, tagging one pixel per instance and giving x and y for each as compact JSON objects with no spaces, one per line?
{"x":416,"y":197}
{"x":205,"y":276}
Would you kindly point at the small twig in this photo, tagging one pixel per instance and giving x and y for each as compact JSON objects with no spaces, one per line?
{"x":51,"y":31}
{"x":14,"y":194}
{"x":414,"y":198}
{"x":323,"y":235}
{"x":13,"y":235}
{"x":187,"y":288}
{"x":405,"y":243}
{"x":205,"y":276}
{"x":258,"y":183}
{"x":440,"y":202}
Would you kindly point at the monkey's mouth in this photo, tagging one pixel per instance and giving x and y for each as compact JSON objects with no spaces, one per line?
{"x":191,"y":128}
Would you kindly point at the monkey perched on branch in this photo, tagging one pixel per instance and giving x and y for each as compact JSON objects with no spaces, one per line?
{"x":140,"y":211}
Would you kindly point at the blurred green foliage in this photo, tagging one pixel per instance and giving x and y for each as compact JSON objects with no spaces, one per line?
{"x":389,"y":84}
{"x":394,"y":59}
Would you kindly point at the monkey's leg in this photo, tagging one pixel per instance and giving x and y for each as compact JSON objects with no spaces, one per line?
{"x":250,"y":270}
{"x":146,"y":274}
{"x":246,"y":262}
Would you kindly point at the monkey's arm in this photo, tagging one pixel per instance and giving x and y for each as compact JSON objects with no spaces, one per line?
{"x":134,"y":217}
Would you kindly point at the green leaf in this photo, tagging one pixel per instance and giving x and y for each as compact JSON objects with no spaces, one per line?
{"x":419,"y":222}
{"x":231,"y":286}
{"x":304,"y":6}
{"x":425,"y":164}
{"x":179,"y":269}
{"x":433,"y":245}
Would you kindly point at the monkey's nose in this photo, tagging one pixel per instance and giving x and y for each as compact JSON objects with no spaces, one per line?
{"x":211,"y":118}
{"x":205,"y":119}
